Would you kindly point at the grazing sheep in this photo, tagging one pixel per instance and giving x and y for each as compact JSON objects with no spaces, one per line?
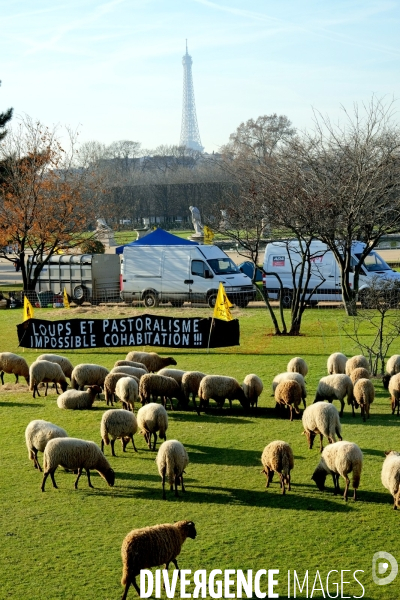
{"x":176,"y":374}
{"x":359,"y":373}
{"x":109,"y":386}
{"x":364,"y":394}
{"x":392,"y":367}
{"x":278,"y":457}
{"x":252,"y":387}
{"x":75,"y":454}
{"x":151,"y":418}
{"x":151,"y":547}
{"x":64,"y":362}
{"x":153,"y":361}
{"x":37,"y":434}
{"x":355,"y":362}
{"x":297,"y":365}
{"x":13,"y":364}
{"x":324,"y":419}
{"x":219,"y":388}
{"x":337,"y":459}
{"x":288,"y":393}
{"x":291,"y":377}
{"x":335,"y":387}
{"x":394,"y":391}
{"x":130,"y":363}
{"x":190,"y":386}
{"x":153,"y":385}
{"x":118,"y":424}
{"x":43,"y":371}
{"x":77,"y":400}
{"x":88,"y":374}
{"x":127,"y":391}
{"x":336,"y":364}
{"x":135,"y":371}
{"x":172,"y":459}
{"x":390,"y":476}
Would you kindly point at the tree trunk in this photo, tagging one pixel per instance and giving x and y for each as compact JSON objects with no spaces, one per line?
{"x":349,"y":298}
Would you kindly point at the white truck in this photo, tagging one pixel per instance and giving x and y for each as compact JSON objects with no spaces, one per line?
{"x":282,"y":257}
{"x":179,"y":274}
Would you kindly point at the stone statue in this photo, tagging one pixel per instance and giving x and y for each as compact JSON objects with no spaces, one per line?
{"x":101,"y":225}
{"x":196,"y":220}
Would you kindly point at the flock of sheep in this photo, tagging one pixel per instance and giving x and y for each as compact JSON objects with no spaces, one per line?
{"x":146,"y":377}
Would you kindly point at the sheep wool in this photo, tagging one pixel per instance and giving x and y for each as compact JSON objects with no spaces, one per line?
{"x":288,"y":393}
{"x":75,"y":454}
{"x":153,"y":361}
{"x":118,"y":424}
{"x":220,"y":388}
{"x":359,"y":373}
{"x":127,"y":391}
{"x":13,"y":364}
{"x":88,"y":374}
{"x":291,"y":377}
{"x":392,"y":367}
{"x":134,"y":371}
{"x":151,"y":547}
{"x":151,"y":418}
{"x":394,"y":391}
{"x":37,"y":434}
{"x":78,"y":400}
{"x":335,"y":387}
{"x":130,"y":363}
{"x":252,"y":387}
{"x":323,"y":419}
{"x":109,"y":385}
{"x":277,"y":457}
{"x":176,"y":374}
{"x":172,"y":459}
{"x":153,"y":385}
{"x":297,"y":365}
{"x":44,"y":371}
{"x":364,"y":395}
{"x":340,"y":458}
{"x":336,"y":364}
{"x":390,"y":476}
{"x":190,"y":386}
{"x":64,"y":362}
{"x":355,"y":362}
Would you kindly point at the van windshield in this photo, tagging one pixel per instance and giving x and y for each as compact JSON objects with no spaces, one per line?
{"x":373,"y":262}
{"x":223,"y":266}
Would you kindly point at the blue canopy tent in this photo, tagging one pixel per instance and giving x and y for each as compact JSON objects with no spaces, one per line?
{"x":158,"y":237}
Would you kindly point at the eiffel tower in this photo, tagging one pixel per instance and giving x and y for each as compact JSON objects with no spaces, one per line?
{"x":190,"y":136}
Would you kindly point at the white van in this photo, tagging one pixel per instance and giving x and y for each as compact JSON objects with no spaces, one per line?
{"x":324,"y":271}
{"x":179,"y":274}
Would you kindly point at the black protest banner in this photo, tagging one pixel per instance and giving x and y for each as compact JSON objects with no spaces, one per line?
{"x":145,"y":330}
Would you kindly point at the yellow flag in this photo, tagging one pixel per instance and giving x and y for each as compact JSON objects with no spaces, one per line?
{"x":28,"y":309}
{"x":208,"y":235}
{"x":65,"y":299}
{"x":222,"y":305}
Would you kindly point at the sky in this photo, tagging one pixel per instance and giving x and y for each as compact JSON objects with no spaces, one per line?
{"x":114,"y":68}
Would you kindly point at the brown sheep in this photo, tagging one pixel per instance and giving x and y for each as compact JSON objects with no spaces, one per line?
{"x":288,"y":393}
{"x":278,"y":457}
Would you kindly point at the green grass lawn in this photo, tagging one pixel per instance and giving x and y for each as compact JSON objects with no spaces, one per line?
{"x":65,"y":544}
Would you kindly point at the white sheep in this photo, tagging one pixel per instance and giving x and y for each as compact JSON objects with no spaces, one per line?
{"x":176,"y":374}
{"x":43,"y":371}
{"x":355,"y":362}
{"x":394,"y":391}
{"x":297,"y":365}
{"x":77,"y":399}
{"x":75,"y":454}
{"x":390,"y":476}
{"x":220,"y":388}
{"x":151,"y":418}
{"x":172,"y":459}
{"x":364,"y":394}
{"x":336,"y":387}
{"x":190,"y":386}
{"x":277,"y":457}
{"x":118,"y":424}
{"x":288,"y":393}
{"x":130,"y":363}
{"x":151,"y":547}
{"x":291,"y":377}
{"x":134,"y":371}
{"x":13,"y":364}
{"x":88,"y":374}
{"x":336,"y":364}
{"x":323,"y":419}
{"x":153,"y":361}
{"x":392,"y":367}
{"x":37,"y":434}
{"x":109,"y":385}
{"x":153,"y":385}
{"x":252,"y":387}
{"x":127,"y":391}
{"x":340,"y":458}
{"x":63,"y":361}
